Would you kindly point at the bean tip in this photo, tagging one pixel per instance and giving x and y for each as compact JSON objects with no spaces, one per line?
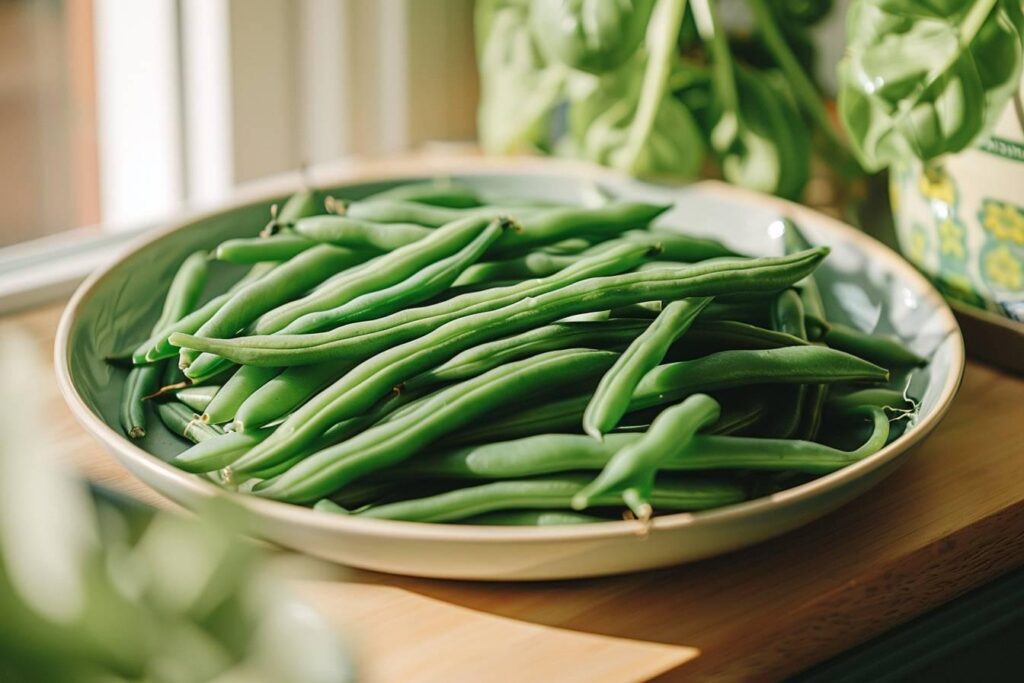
{"x":136,"y":432}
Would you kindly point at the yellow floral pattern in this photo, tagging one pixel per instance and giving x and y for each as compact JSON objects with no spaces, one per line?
{"x":937,"y":186}
{"x":1005,"y":221}
{"x":951,"y":238}
{"x":1003,"y":268}
{"x":918,"y":245}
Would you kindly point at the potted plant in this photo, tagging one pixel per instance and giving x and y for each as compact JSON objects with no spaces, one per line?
{"x":666,"y":87}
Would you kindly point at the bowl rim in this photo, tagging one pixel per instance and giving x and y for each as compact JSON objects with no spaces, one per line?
{"x":369,"y":171}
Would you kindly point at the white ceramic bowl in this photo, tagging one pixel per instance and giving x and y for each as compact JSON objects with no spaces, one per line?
{"x":865,"y":284}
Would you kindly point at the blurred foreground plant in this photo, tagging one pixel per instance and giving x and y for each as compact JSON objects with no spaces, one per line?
{"x":96,"y":590}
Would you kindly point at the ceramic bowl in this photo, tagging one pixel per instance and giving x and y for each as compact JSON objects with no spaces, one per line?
{"x":865,"y":285}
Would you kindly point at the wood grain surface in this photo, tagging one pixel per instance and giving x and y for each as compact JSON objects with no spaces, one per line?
{"x":949,"y":520}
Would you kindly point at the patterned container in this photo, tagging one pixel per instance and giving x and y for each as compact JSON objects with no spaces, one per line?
{"x":961,"y":219}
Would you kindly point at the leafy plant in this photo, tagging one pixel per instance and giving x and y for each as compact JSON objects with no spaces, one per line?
{"x":649,"y":86}
{"x":924,"y":78}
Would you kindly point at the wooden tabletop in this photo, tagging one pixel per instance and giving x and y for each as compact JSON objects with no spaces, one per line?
{"x":949,"y":520}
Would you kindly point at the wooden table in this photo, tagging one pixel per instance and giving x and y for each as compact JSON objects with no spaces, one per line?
{"x":949,"y":520}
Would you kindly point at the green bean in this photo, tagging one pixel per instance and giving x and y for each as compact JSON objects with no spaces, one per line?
{"x":534,"y":264}
{"x":382,"y":333}
{"x":391,"y":442}
{"x":182,"y":295}
{"x":594,"y":294}
{"x":677,"y":246}
{"x":788,"y":317}
{"x":631,"y":470}
{"x":554,"y":453}
{"x":185,"y":289}
{"x":141,"y":382}
{"x":305,"y":202}
{"x":345,"y":231}
{"x":814,"y":308}
{"x":612,"y":397}
{"x":280,"y":247}
{"x":532,"y":518}
{"x":875,"y":397}
{"x":183,"y":422}
{"x":434,"y":193}
{"x":417,"y":287}
{"x":402,"y":211}
{"x":372,"y":378}
{"x":549,"y":226}
{"x":884,"y":350}
{"x":196,"y":398}
{"x":314,"y":310}
{"x":159,"y":347}
{"x":720,"y":335}
{"x":676,"y":495}
{"x":243,"y":384}
{"x":285,"y":392}
{"x":567,"y":247}
{"x":216,"y":453}
{"x":560,"y":335}
{"x":540,"y":227}
{"x":672,"y":381}
{"x":279,"y":285}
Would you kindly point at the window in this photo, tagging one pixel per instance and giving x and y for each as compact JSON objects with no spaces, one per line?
{"x":116,"y":114}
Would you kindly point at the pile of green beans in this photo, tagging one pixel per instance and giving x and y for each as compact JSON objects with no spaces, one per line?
{"x":424,"y":354}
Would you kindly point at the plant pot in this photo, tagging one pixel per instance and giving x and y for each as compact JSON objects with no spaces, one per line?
{"x":960,"y":220}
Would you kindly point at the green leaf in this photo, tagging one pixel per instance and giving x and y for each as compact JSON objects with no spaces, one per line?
{"x":590,"y":35}
{"x":771,"y":152}
{"x":603,"y":110}
{"x":518,"y":89}
{"x":924,"y":78}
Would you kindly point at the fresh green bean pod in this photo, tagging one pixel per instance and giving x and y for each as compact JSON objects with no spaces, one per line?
{"x":305,"y":202}
{"x":196,"y":398}
{"x":185,"y":289}
{"x":316,"y":310}
{"x":391,"y":442}
{"x":612,"y":397}
{"x":417,"y":287}
{"x":158,"y":346}
{"x":884,"y":350}
{"x":814,"y":309}
{"x":540,"y":227}
{"x":216,"y":453}
{"x":345,"y":231}
{"x":377,"y":375}
{"x":178,"y":418}
{"x":286,"y":392}
{"x":532,"y":265}
{"x":594,"y":294}
{"x":283,"y":283}
{"x":377,"y":335}
{"x":434,"y":193}
{"x":554,"y":453}
{"x":874,"y":397}
{"x":246,"y":381}
{"x":631,"y":470}
{"x":560,"y":335}
{"x":279,"y":247}
{"x":673,"y":381}
{"x":142,"y":381}
{"x":401,"y":211}
{"x":721,"y":335}
{"x":677,"y":246}
{"x":675,"y":495}
{"x":788,"y":317}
